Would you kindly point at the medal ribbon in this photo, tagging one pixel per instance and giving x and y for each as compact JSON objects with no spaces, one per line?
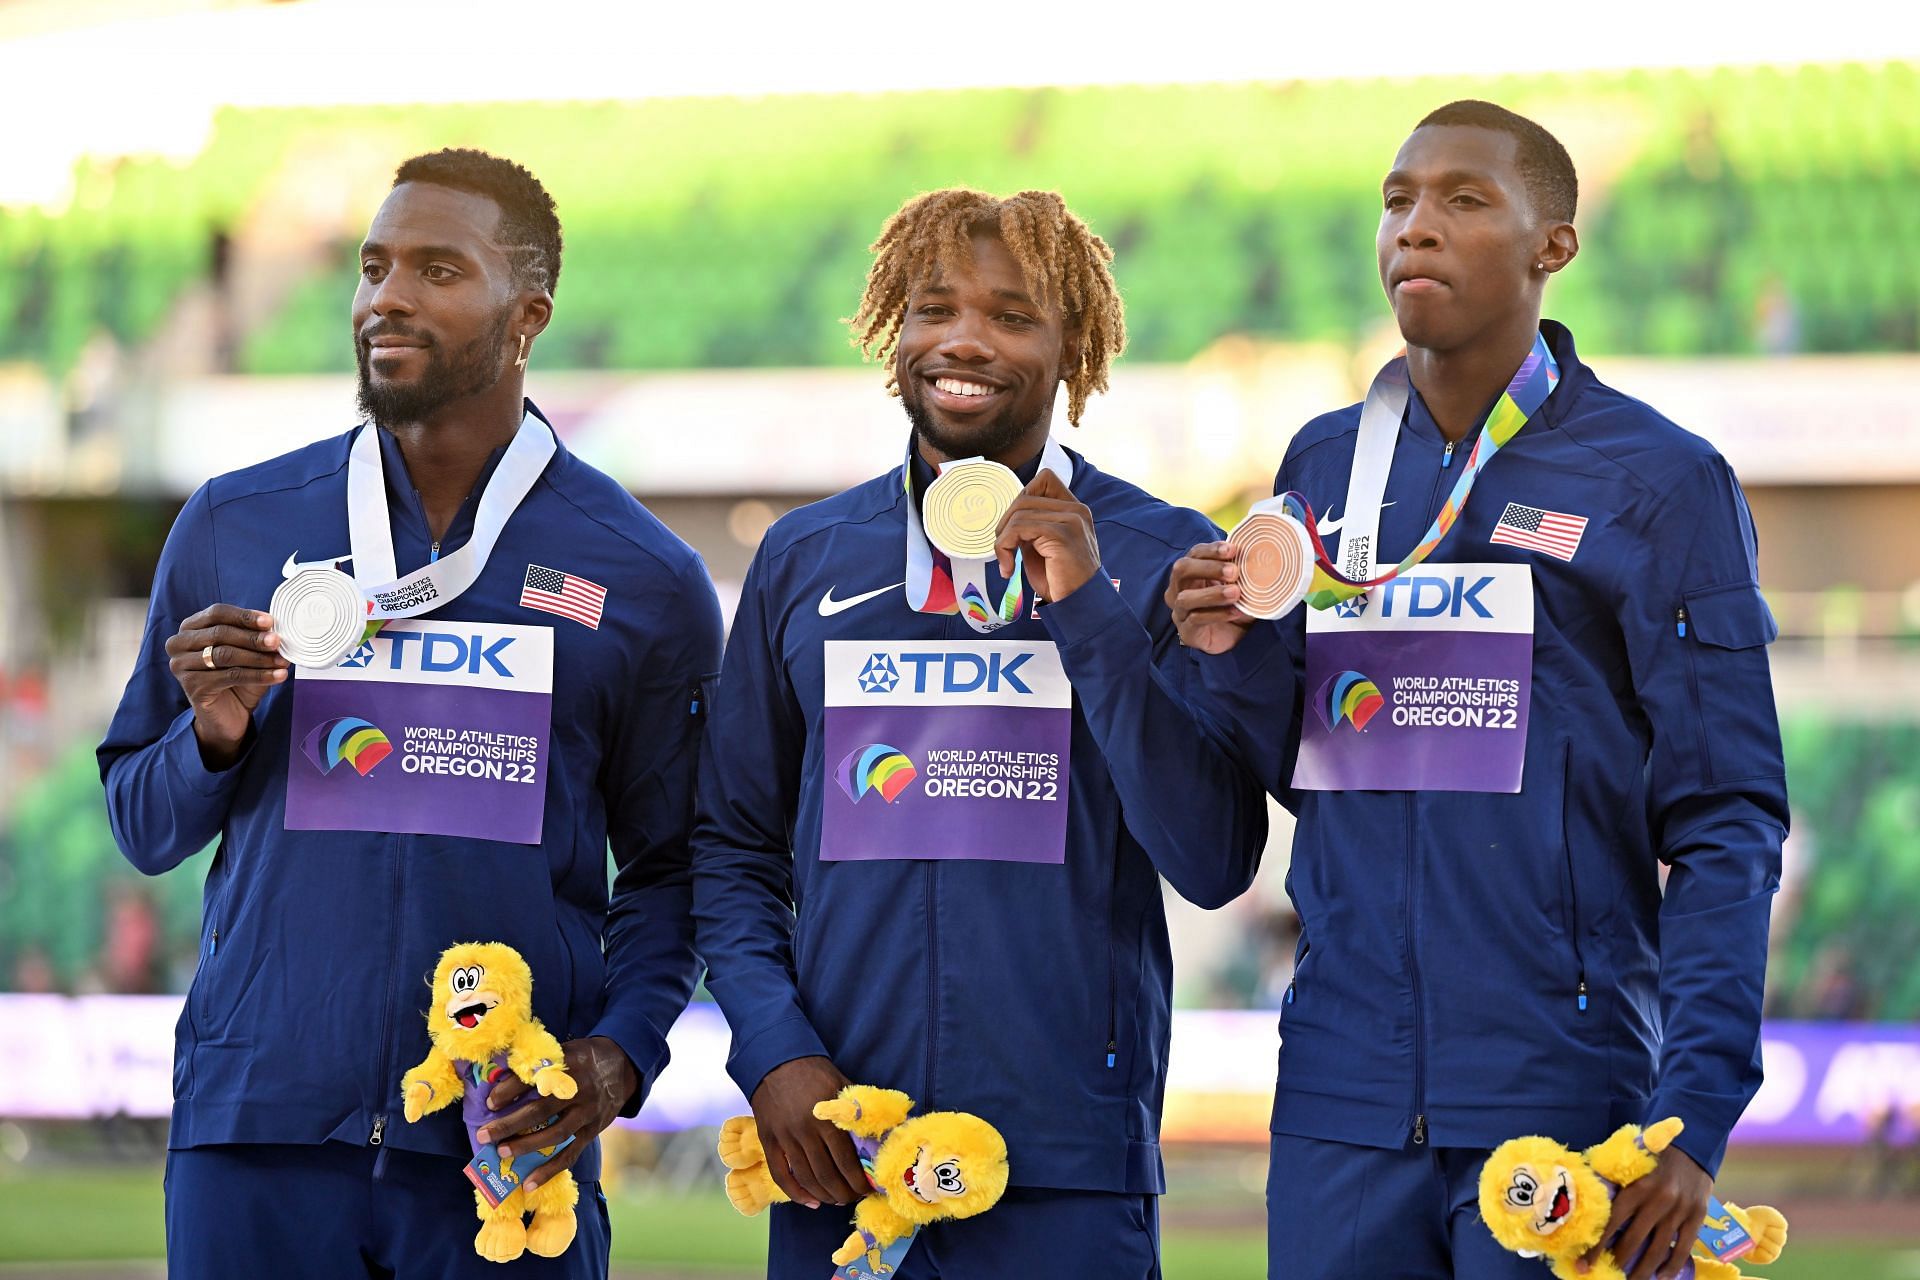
{"x":1529,"y":388}
{"x":931,"y":574}
{"x":435,"y":584}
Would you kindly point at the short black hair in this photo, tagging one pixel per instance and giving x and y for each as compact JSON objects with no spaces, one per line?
{"x":529,"y":227}
{"x":1545,"y":166}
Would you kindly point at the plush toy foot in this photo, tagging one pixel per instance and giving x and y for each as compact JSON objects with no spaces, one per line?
{"x":1767,"y":1227}
{"x":501,"y":1238}
{"x":752,"y":1190}
{"x":553,"y":1223}
{"x":740,"y":1143}
{"x":855,"y":1246}
{"x":551,"y":1232}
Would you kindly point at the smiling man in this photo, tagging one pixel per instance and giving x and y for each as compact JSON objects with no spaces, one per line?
{"x":529,"y":693}
{"x":934,"y":814}
{"x":1555,"y":682}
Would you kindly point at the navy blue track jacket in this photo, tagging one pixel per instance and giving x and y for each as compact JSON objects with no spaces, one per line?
{"x":317,"y":946}
{"x":1447,"y":936}
{"x":1036,"y":996}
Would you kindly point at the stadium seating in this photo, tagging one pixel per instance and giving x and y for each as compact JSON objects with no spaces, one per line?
{"x":1731,"y":211}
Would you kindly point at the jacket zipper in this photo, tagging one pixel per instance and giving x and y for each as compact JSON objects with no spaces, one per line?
{"x":933,"y":987}
{"x":1413,"y":969}
{"x":378,"y":1133}
{"x":1413,"y":910}
{"x":1113,"y":967}
{"x":1573,"y":886}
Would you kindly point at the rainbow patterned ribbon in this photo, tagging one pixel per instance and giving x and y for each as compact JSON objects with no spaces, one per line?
{"x":1529,"y":388}
{"x":930,"y":578}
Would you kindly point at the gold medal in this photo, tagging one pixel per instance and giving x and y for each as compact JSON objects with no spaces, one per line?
{"x":964,"y":506}
{"x":1276,"y":564}
{"x":320,"y":617}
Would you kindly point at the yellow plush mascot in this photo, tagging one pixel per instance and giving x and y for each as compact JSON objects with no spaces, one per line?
{"x":945,"y":1164}
{"x":482,"y":1026}
{"x":1540,"y":1199}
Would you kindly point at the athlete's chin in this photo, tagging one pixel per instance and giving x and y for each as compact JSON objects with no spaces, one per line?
{"x":966,"y":437}
{"x":1420,"y":326}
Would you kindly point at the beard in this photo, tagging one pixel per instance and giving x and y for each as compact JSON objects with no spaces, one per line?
{"x":993,"y":438}
{"x":448,"y":376}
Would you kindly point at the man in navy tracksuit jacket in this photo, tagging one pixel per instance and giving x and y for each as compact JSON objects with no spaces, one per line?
{"x":1033,"y":992}
{"x":1476,"y":965}
{"x":289,"y":1154}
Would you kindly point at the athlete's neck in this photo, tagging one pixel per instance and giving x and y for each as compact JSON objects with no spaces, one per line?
{"x":1017,"y":455}
{"x":447,"y":450}
{"x":1459,"y":384}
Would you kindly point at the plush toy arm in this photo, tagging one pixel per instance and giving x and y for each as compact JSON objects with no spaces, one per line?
{"x":865,"y":1110}
{"x":537,"y":1058}
{"x":430,"y":1086}
{"x":876,"y":1217}
{"x":1630,"y":1154}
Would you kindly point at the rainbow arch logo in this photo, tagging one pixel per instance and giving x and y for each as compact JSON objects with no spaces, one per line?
{"x":1349,"y":696}
{"x":878,"y":768}
{"x":974,"y":605}
{"x":349,"y":739}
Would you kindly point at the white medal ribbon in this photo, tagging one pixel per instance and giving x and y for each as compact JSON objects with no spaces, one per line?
{"x":967,"y":574}
{"x":1380,"y":417}
{"x":322,"y":614}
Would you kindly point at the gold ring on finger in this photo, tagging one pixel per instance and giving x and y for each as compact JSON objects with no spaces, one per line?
{"x":206,"y":656}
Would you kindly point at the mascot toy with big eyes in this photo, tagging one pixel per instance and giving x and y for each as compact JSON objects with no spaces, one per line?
{"x":945,"y":1164}
{"x":1541,"y":1200}
{"x":482,"y":1027}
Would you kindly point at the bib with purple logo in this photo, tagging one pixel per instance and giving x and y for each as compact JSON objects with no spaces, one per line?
{"x":434,"y":727}
{"x":945,"y":749}
{"x":1422,"y":683}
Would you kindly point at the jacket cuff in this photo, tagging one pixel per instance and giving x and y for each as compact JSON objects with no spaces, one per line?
{"x":1234,"y":669}
{"x":1095,"y":606}
{"x":1708,"y":1118}
{"x":645,"y":1048}
{"x":182,"y":750}
{"x":780,"y":1043}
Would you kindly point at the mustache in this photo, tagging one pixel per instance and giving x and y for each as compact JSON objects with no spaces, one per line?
{"x":388,"y":329}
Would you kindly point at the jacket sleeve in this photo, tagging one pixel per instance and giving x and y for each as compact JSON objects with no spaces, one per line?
{"x":163,"y":803}
{"x":647,"y":781}
{"x":1184,"y":796}
{"x":1696,"y":630}
{"x":743,"y":846}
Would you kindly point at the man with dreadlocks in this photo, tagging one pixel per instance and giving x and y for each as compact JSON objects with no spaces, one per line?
{"x":912,"y":866}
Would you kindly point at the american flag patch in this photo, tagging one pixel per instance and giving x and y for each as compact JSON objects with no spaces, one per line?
{"x":564,"y":594}
{"x":1554,"y":532}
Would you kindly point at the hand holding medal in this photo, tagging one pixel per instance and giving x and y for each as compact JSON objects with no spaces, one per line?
{"x":1052,"y":531}
{"x":225,"y":659}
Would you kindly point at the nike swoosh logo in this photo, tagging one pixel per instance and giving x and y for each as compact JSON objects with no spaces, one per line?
{"x":1333,"y":525}
{"x":829,"y":606}
{"x":293,"y":565}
